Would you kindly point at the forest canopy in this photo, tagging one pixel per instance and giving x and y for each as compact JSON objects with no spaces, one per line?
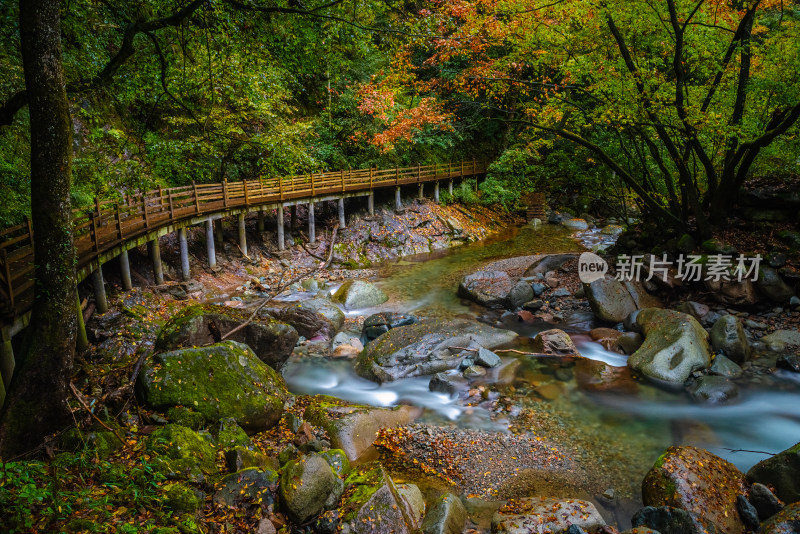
{"x":675,"y":103}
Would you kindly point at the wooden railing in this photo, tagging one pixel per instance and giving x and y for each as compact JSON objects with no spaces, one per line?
{"x":110,"y":224}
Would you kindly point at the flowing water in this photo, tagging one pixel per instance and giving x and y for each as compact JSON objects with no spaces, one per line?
{"x":619,"y":432}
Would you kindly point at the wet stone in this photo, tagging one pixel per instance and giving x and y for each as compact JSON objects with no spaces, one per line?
{"x":764,"y":501}
{"x":723,"y":366}
{"x":487,"y":358}
{"x":789,"y":362}
{"x":747,"y":513}
{"x":474,"y":371}
{"x":449,"y":382}
{"x":714,"y":389}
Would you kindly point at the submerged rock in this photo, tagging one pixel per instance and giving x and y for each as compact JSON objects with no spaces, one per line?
{"x":714,"y":389}
{"x":353,"y":428}
{"x":548,"y":263}
{"x":699,"y":482}
{"x":449,"y":382}
{"x":272,"y":341}
{"x":426,"y":348}
{"x":355,"y":294}
{"x":675,"y":345}
{"x":545,"y":514}
{"x":220,"y":381}
{"x":781,"y":472}
{"x":380,"y":323}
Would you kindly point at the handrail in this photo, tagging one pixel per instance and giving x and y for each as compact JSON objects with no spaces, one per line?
{"x":109,"y":224}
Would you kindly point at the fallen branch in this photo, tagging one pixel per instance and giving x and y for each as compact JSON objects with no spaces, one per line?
{"x":282,"y":288}
{"x":86,"y":407}
{"x":746,"y":450}
{"x":540,"y":354}
{"x":330,"y":250}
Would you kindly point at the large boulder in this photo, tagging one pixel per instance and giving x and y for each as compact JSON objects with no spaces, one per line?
{"x":308,"y":486}
{"x":353,"y":428}
{"x":311,"y":318}
{"x":355,"y":294}
{"x":728,"y":335}
{"x":272,"y":341}
{"x":733,"y":292}
{"x":179,"y":452}
{"x":425,"y":348}
{"x":699,"y":482}
{"x":548,"y":263}
{"x":545,"y":514}
{"x":378,"y":324}
{"x":220,"y":381}
{"x":488,"y":288}
{"x":781,"y":472}
{"x":675,"y":345}
{"x":373,"y":504}
{"x":779,"y":340}
{"x":772,"y":285}
{"x":609,"y":299}
{"x":250,"y":485}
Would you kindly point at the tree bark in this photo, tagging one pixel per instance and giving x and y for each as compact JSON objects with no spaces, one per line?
{"x":36,"y":404}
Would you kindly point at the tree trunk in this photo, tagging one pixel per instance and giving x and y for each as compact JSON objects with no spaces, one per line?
{"x":36,"y":404}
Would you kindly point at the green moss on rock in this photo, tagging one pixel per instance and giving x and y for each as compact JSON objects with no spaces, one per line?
{"x":180,"y":452}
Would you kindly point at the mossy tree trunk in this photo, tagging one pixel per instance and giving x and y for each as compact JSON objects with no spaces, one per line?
{"x":36,"y":404}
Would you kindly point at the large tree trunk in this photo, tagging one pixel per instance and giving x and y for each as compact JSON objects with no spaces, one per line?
{"x":36,"y":404}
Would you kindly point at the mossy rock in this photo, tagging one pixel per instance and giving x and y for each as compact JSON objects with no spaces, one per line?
{"x":239,"y":458}
{"x":179,"y":452}
{"x":251,"y":485}
{"x":699,"y":482}
{"x":231,"y":435}
{"x":221,"y":381}
{"x":355,"y":294}
{"x":781,"y":472}
{"x":272,"y":341}
{"x":338,"y":461}
{"x":181,"y":499}
{"x":309,"y":486}
{"x":373,"y":504}
{"x":102,"y":442}
{"x":181,"y":415}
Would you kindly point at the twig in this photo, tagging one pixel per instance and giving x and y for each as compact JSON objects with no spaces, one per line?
{"x":532,"y":353}
{"x":747,"y":450}
{"x":282,"y":287}
{"x":86,"y":407}
{"x":320,"y":258}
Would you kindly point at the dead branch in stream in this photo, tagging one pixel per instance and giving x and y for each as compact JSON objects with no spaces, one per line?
{"x":515,"y":352}
{"x":284,"y":286}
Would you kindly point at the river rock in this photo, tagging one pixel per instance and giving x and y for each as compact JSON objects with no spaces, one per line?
{"x":272,"y":341}
{"x":425,"y":348}
{"x":607,"y":337}
{"x":699,"y":482}
{"x":446,"y":516}
{"x":780,"y":339}
{"x":787,"y":521}
{"x":733,"y":292}
{"x":416,"y":502}
{"x":449,"y":382}
{"x":713,"y":389}
{"x":788,"y":362}
{"x":247,"y":486}
{"x":374,"y":505}
{"x":180,"y":452}
{"x":355,"y":294}
{"x":220,"y":381}
{"x":575,"y":224}
{"x":239,"y":458}
{"x":351,"y":427}
{"x":548,"y":263}
{"x":609,"y":299}
{"x":764,"y":501}
{"x":630,"y":342}
{"x":487,"y":358}
{"x":308,"y":486}
{"x":695,"y":309}
{"x":311,"y":318}
{"x":491,"y":289}
{"x":474,"y":371}
{"x":380,"y":323}
{"x":669,"y":520}
{"x":722,"y":366}
{"x":675,"y":345}
{"x":555,"y":342}
{"x":772,"y":285}
{"x":545,"y":514}
{"x":780,"y":472}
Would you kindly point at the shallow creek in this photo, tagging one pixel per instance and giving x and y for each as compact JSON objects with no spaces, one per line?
{"x":614,"y":435}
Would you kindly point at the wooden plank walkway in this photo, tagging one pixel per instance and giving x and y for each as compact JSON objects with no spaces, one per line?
{"x":112,"y":224}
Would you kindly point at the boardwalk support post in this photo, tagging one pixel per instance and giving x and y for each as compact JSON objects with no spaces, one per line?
{"x":436,"y":192}
{"x":260,"y":224}
{"x":397,"y":204}
{"x":342,"y":218}
{"x":212,"y":254}
{"x":312,"y":236}
{"x":99,"y":290}
{"x":242,"y":234}
{"x":155,"y":255}
{"x":371,"y":203}
{"x":421,"y":191}
{"x":184,"y":246}
{"x":82,"y":342}
{"x":450,"y":187}
{"x":7,"y":362}
{"x":125,"y":270}
{"x":281,"y":244}
{"x":218,"y":234}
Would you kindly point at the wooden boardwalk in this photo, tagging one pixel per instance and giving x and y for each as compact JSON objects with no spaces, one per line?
{"x":111,"y":228}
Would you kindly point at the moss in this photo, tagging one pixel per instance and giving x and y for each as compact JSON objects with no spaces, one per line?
{"x":180,"y":452}
{"x":337,"y":459}
{"x":362,"y":483}
{"x":180,"y":498}
{"x":104,"y":443}
{"x":180,"y":415}
{"x":232,"y":435}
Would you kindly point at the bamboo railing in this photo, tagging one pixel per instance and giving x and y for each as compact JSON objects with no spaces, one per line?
{"x":109,"y":224}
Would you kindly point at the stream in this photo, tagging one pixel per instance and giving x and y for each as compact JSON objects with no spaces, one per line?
{"x":616,"y":434}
